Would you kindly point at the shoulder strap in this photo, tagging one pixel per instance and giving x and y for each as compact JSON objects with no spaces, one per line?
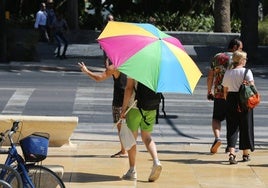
{"x":245,"y":73}
{"x":163,"y":105}
{"x":144,"y":118}
{"x":163,"y":109}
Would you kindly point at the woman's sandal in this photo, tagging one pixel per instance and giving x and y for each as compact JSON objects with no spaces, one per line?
{"x":246,"y":158}
{"x":119,"y":155}
{"x":232,"y":159}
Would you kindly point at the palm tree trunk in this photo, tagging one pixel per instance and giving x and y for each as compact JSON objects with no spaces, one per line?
{"x":72,"y":14}
{"x":222,"y":16}
{"x":249,"y":30}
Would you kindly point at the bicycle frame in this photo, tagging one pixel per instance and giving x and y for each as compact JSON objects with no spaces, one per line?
{"x":14,"y":156}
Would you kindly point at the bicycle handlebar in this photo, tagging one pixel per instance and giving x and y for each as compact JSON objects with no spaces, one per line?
{"x":14,"y":128}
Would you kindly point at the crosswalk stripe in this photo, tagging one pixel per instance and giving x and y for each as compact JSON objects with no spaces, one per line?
{"x":18,"y":101}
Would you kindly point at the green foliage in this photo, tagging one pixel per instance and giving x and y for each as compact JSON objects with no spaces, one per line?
{"x":133,"y":17}
{"x":235,"y":25}
{"x":263,"y":32}
{"x":168,"y":21}
{"x":198,"y":23}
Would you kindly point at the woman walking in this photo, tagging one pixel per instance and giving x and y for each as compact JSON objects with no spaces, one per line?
{"x":238,"y":121}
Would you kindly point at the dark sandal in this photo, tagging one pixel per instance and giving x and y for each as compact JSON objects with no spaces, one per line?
{"x":119,"y":155}
{"x":246,"y":158}
{"x":232,"y":159}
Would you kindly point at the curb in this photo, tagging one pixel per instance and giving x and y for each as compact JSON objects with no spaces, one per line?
{"x":95,"y":63}
{"x":70,"y":64}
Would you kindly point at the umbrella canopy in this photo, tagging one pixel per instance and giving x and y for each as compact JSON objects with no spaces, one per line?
{"x":150,"y":56}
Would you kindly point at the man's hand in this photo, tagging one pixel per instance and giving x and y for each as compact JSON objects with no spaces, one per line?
{"x":83,"y":67}
{"x":210,"y":97}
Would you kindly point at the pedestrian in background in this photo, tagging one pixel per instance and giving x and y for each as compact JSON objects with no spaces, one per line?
{"x":118,"y":95}
{"x":60,"y":27}
{"x":51,"y":17}
{"x":41,"y":23}
{"x":135,"y":121}
{"x":238,"y":121}
{"x":219,"y":64}
{"x":109,"y":18}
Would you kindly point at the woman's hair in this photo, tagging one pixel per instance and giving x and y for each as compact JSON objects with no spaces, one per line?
{"x":234,"y":42}
{"x":237,"y":56}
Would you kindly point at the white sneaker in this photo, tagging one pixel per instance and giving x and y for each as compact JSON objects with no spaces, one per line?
{"x":130,"y":175}
{"x":155,"y":173}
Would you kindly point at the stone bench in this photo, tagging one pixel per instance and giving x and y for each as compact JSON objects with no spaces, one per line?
{"x":59,"y":128}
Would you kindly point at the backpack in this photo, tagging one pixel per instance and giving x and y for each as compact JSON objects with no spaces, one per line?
{"x":147,"y":99}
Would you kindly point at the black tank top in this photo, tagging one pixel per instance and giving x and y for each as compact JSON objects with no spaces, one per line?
{"x":119,"y":88}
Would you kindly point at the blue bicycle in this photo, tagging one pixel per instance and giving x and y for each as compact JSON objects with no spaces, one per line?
{"x":34,"y":148}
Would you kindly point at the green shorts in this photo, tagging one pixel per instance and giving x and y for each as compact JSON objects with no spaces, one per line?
{"x":135,"y":120}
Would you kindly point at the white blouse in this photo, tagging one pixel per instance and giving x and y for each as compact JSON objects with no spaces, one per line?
{"x":233,"y":78}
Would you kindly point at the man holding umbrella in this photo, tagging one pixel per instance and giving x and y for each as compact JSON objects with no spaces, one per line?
{"x":136,"y":120}
{"x":150,"y":56}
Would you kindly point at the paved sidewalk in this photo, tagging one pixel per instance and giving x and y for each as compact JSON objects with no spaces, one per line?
{"x":88,"y":164}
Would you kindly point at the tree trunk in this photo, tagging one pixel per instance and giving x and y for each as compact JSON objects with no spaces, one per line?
{"x":72,"y":14}
{"x":3,"y":38}
{"x":249,"y":30}
{"x":98,"y":15}
{"x":222,"y":16}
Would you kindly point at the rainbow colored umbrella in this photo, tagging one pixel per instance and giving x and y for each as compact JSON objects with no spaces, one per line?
{"x":150,"y":56}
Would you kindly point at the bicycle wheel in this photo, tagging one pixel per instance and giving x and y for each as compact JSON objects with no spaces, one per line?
{"x":4,"y":184}
{"x":43,"y":177}
{"x":10,"y":177}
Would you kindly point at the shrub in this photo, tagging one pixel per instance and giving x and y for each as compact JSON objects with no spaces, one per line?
{"x":235,"y":26}
{"x":263,"y":32}
{"x":198,"y":23}
{"x":168,"y":21}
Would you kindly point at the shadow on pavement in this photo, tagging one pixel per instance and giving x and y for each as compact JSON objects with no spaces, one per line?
{"x":172,"y":125}
{"x":79,"y":156}
{"x":195,"y":161}
{"x":183,"y":152}
{"x":80,"y":177}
